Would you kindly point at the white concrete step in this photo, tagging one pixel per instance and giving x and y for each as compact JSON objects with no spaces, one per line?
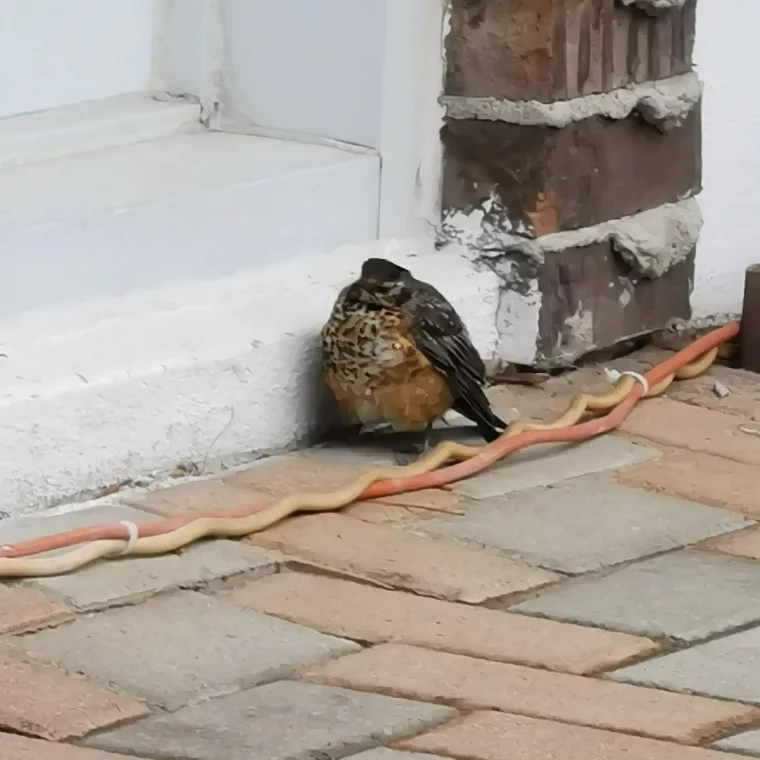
{"x":104,"y":223}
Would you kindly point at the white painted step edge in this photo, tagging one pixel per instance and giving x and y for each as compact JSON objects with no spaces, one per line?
{"x":93,"y":125}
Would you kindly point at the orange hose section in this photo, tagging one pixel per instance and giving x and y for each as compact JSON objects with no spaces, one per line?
{"x":486,"y":456}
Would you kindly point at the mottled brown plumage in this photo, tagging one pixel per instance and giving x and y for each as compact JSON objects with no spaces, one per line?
{"x":395,"y":351}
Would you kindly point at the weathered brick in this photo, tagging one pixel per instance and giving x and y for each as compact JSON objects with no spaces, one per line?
{"x":14,"y":747}
{"x":26,"y":609}
{"x":696,"y":429}
{"x":743,"y":544}
{"x":543,"y":50}
{"x":700,"y":477}
{"x":383,"y":555}
{"x":370,"y":614}
{"x":174,"y":649}
{"x":627,"y":166}
{"x":132,"y":579}
{"x":44,"y":702}
{"x":281,"y":720}
{"x":495,"y":736}
{"x":471,"y":684}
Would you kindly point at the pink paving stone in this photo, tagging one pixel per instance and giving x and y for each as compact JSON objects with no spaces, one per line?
{"x":498,"y":736}
{"x":365,"y":613}
{"x":44,"y":702}
{"x":691,"y":427}
{"x":391,"y":557}
{"x":26,"y":609}
{"x":743,"y":544}
{"x":700,"y":477}
{"x":13,"y":747}
{"x":470,"y":684}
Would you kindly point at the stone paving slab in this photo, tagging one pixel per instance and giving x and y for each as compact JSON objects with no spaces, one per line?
{"x":361,"y":612}
{"x":26,"y":609}
{"x":186,"y":646}
{"x":728,"y":667}
{"x":132,"y":579}
{"x":743,"y":544}
{"x":472,"y":684}
{"x":498,"y":736}
{"x":48,"y":703}
{"x":552,"y":463}
{"x":687,"y":596}
{"x":281,"y":720}
{"x":26,"y":528}
{"x":583,"y":525}
{"x":384,"y":753}
{"x":747,"y":742}
{"x":14,"y":747}
{"x":390,"y":557}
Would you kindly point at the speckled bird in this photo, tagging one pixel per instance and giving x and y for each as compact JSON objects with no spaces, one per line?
{"x":395,"y":351}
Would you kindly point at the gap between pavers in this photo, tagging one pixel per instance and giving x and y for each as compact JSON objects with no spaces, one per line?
{"x":181,"y":647}
{"x":280,"y":720}
{"x":15,"y":747}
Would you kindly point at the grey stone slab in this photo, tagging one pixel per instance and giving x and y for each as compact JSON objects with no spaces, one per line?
{"x":280,"y":721}
{"x":727,"y":667}
{"x":552,"y":463}
{"x":26,"y":528}
{"x":174,"y":649}
{"x":688,"y":596}
{"x":131,"y":579}
{"x":583,"y":525}
{"x":747,"y":743}
{"x":384,"y":753}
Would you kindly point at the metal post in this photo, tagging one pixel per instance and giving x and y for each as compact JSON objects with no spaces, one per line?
{"x":750,"y":332}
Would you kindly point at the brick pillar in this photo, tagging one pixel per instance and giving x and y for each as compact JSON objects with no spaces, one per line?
{"x":572,"y":150}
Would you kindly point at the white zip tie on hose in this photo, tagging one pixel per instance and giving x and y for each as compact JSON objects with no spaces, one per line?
{"x":613,"y":375}
{"x":134,"y":534}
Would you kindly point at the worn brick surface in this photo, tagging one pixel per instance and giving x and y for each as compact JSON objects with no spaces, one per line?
{"x":282,"y":720}
{"x":726,"y":667}
{"x":45,"y":702}
{"x":686,"y":595}
{"x":370,"y":614}
{"x":747,"y":742}
{"x":690,"y":427}
{"x":746,"y":543}
{"x":13,"y":747}
{"x":319,"y":472}
{"x":627,"y":166}
{"x":131,"y":579}
{"x":26,"y":609}
{"x":197,"y":496}
{"x":472,"y":684}
{"x":496,"y":736}
{"x":387,"y":556}
{"x":541,"y":50}
{"x":186,"y":646}
{"x":552,"y":463}
{"x":700,"y":477}
{"x":584,"y":524}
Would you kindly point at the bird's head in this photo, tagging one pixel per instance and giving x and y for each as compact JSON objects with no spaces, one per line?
{"x":385,"y":282}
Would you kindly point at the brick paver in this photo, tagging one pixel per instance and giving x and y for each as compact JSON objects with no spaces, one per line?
{"x":45,"y":702}
{"x":700,"y":477}
{"x":471,"y":684}
{"x":496,"y":736}
{"x":583,"y":525}
{"x":281,"y":720}
{"x":391,"y":557}
{"x":177,"y":648}
{"x":553,"y":463}
{"x":693,"y":428}
{"x":746,"y":543}
{"x":13,"y":747}
{"x":361,"y":612}
{"x":26,"y":609}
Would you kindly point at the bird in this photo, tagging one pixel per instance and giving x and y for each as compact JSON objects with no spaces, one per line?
{"x":395,"y":352}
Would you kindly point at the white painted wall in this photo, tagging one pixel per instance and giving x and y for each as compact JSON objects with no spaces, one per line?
{"x":728,"y":59}
{"x":54,"y":53}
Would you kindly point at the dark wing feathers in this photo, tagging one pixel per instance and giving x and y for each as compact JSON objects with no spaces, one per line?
{"x":438,"y":332}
